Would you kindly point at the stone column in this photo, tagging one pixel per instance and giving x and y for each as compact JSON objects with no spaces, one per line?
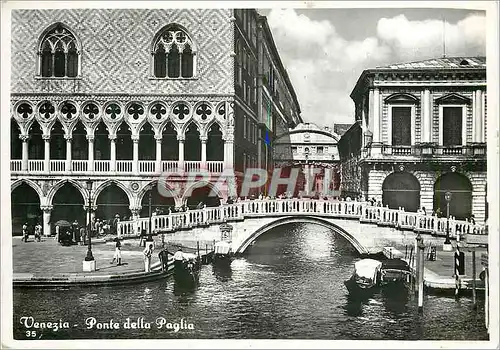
{"x":426,"y":113}
{"x":203,"y":140}
{"x":24,"y":139}
{"x":47,"y":209}
{"x":158,"y":139}
{"x":46,"y":162}
{"x":477,"y":123}
{"x":181,"y":139}
{"x":67,"y":167}
{"x":90,"y":165}
{"x":112,"y":139}
{"x":135,"y":158}
{"x":229,"y":152}
{"x":306,"y":174}
{"x":327,"y":180}
{"x":375,"y":116}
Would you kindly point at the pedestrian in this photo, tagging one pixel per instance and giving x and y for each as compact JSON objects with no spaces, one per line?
{"x":148,"y":253}
{"x":57,"y":233}
{"x":37,"y":233}
{"x":118,"y":253}
{"x":472,"y":219}
{"x":25,"y":232}
{"x":81,"y":236}
{"x":115,"y":224}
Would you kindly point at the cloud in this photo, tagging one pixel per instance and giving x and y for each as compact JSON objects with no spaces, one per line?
{"x":324,"y":67}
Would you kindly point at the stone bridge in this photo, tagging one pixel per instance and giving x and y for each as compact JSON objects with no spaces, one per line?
{"x":368,"y":228}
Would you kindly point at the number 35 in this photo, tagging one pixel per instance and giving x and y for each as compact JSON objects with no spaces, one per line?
{"x":30,"y":334}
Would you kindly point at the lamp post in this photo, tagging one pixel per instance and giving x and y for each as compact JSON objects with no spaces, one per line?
{"x":447,"y":242}
{"x":89,"y":262}
{"x":150,"y":212}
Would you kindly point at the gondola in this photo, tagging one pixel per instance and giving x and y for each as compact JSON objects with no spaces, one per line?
{"x":186,"y":271}
{"x":365,"y":278}
{"x":223,"y":254}
{"x":395,"y":272}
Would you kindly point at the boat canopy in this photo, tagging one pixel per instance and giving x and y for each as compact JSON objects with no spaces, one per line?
{"x":222,"y":247}
{"x":395,"y":264}
{"x":367,"y":267}
{"x":189,"y":256}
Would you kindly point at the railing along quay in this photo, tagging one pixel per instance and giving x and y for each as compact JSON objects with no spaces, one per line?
{"x":362,"y":211}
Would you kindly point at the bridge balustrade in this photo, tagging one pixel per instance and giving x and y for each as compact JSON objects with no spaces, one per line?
{"x":362,"y":211}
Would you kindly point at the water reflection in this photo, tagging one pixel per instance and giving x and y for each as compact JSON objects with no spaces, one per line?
{"x":222,"y":272}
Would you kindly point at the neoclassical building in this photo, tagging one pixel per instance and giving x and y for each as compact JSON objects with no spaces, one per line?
{"x":125,"y":97}
{"x":420,"y":132}
{"x":309,"y":147}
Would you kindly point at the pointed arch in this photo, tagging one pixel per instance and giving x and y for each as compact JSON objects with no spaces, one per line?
{"x":59,"y":52}
{"x":53,"y":190}
{"x":214,"y":191}
{"x":192,"y":137}
{"x":30,"y":183}
{"x":119,"y":184}
{"x":173,"y":53}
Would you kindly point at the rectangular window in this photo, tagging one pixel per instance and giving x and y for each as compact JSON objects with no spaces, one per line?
{"x":244,"y":127}
{"x":320,"y":150}
{"x":401,"y":126}
{"x":294,"y":150}
{"x":452,"y":126}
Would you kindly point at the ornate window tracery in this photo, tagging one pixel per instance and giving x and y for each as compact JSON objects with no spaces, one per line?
{"x":173,"y":54}
{"x":59,"y":53}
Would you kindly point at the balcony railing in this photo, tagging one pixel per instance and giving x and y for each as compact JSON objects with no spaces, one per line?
{"x":399,"y":150}
{"x":121,"y":166}
{"x":192,"y":166}
{"x":432,"y":149}
{"x":215,"y":166}
{"x":16,"y":165}
{"x":102,"y":166}
{"x":147,"y":166}
{"x":57,"y":165}
{"x":79,"y":165}
{"x":171,"y":166}
{"x":124,"y":166}
{"x":35,"y":165}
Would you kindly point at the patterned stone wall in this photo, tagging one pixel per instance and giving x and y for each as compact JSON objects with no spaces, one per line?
{"x":116,"y":50}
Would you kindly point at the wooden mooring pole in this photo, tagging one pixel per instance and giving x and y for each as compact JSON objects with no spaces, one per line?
{"x":474,"y":300}
{"x":420,"y":272}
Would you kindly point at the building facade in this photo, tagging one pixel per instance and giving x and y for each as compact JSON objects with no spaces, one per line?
{"x":314,"y":151}
{"x":125,"y":98}
{"x":420,"y":132}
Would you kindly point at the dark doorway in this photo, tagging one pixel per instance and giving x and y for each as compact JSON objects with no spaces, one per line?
{"x":112,"y":201}
{"x":461,"y":195}
{"x":25,"y":205}
{"x":401,"y":189}
{"x":203,"y":195}
{"x":68,"y":205}
{"x":159,"y":202}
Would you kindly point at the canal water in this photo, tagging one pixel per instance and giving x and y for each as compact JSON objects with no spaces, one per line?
{"x":289,"y":285}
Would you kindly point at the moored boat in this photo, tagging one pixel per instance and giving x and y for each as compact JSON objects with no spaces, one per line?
{"x":395,"y":271}
{"x":365,"y":278}
{"x":186,"y":270}
{"x":223,"y":253}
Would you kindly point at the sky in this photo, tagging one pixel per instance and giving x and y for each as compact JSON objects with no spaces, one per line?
{"x":325,"y":50}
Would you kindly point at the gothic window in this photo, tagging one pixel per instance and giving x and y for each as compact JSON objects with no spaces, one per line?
{"x":401,"y":126}
{"x":59,"y":54}
{"x":173,"y":54}
{"x":452,"y":126}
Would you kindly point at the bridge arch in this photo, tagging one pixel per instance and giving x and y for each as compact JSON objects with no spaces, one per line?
{"x":302,"y":219}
